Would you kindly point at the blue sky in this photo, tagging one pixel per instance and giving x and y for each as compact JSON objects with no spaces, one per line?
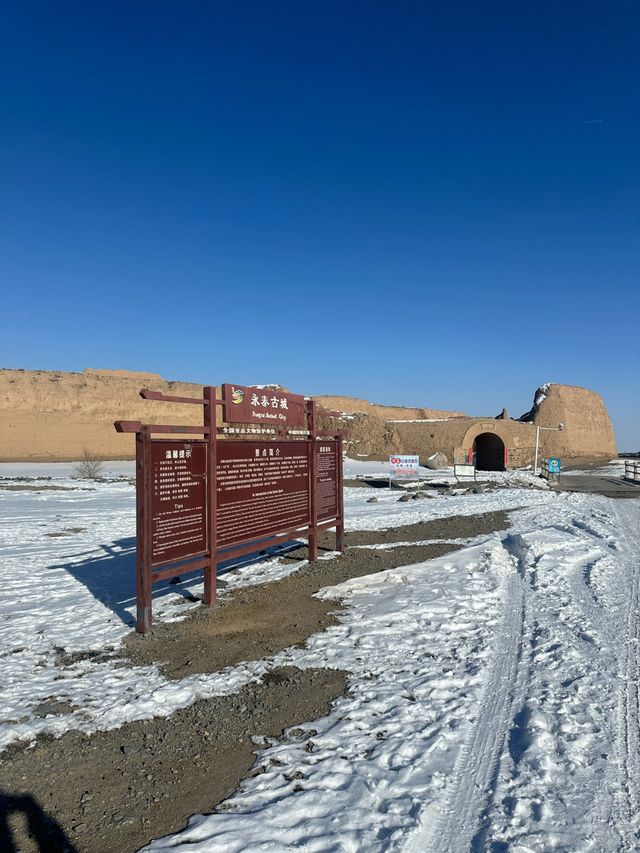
{"x":410,"y":202}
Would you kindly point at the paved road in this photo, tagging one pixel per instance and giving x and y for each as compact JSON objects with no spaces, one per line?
{"x":612,"y":487}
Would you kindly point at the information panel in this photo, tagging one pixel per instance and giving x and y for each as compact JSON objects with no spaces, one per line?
{"x":327,"y":479}
{"x":210,"y":499}
{"x":178,"y":500}
{"x":262,"y":488}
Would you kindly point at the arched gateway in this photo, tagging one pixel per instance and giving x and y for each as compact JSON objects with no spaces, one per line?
{"x":489,"y":452}
{"x":487,"y":443}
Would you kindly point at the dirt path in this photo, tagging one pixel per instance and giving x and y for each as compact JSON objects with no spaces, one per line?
{"x":114,"y":791}
{"x":262,"y":620}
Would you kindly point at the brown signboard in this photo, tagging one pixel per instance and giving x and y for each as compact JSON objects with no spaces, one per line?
{"x":214,"y":498}
{"x":178,"y":500}
{"x":262,"y":488}
{"x":262,"y":406}
{"x":327,"y":503}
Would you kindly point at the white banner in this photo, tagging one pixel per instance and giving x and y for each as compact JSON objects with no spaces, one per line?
{"x":404,"y":467}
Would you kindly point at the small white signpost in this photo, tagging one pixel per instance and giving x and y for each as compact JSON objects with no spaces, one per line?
{"x":403,"y":468}
{"x":464,"y":469}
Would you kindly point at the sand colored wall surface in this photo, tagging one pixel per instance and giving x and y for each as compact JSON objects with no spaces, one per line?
{"x":352,"y":405}
{"x":445,"y":436}
{"x":47,"y":415}
{"x":51,"y":415}
{"x":55,"y":416}
{"x":588,"y":430}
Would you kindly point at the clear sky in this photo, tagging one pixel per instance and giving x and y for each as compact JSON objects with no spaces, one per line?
{"x":411,"y":202}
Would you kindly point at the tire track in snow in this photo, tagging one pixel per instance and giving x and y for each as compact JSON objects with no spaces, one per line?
{"x":586,"y":602}
{"x":597,"y":825}
{"x":629,"y":700}
{"x":616,"y":804}
{"x":615,"y":807}
{"x":600,"y":827}
{"x":474,"y":772}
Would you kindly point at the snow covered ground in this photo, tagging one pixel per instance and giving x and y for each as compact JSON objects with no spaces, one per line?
{"x":493,"y":698}
{"x":360,"y":469}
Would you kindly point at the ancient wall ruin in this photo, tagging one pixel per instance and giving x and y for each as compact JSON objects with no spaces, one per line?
{"x":55,"y":416}
{"x":352,"y":405}
{"x":587,"y":430}
{"x":49,"y":416}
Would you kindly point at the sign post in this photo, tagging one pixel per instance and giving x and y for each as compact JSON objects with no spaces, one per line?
{"x":405,"y":468}
{"x":554,"y":465}
{"x":227,"y":493}
{"x":551,"y":468}
{"x":209,"y":417}
{"x":464,"y":469}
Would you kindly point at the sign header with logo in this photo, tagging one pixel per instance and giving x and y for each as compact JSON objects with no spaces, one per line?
{"x":262,"y":406}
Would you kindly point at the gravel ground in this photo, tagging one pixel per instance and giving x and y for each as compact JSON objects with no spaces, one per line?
{"x":115,"y":791}
{"x":262,"y":620}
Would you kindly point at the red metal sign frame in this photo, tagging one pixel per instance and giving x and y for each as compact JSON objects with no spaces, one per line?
{"x":320,"y":481}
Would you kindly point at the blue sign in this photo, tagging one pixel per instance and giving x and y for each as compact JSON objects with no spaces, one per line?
{"x":554,"y":465}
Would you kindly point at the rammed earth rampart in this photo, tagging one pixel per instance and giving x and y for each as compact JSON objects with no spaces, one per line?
{"x":55,"y":416}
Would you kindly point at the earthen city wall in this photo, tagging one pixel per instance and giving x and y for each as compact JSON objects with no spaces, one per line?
{"x":55,"y":416}
{"x":587,"y":430}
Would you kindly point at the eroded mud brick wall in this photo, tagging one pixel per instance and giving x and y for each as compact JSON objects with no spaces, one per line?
{"x":55,"y":416}
{"x":47,"y":415}
{"x":587,"y":430}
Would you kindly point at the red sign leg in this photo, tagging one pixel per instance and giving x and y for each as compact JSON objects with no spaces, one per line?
{"x":340,"y":524}
{"x":143,"y":532}
{"x":211,"y":572}
{"x":313,"y":505}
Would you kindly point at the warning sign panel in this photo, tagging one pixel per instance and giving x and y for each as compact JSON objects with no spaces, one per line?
{"x":178,"y":500}
{"x":402,"y":467}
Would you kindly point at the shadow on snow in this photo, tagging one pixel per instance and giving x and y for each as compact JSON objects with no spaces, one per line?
{"x":110,"y":575}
